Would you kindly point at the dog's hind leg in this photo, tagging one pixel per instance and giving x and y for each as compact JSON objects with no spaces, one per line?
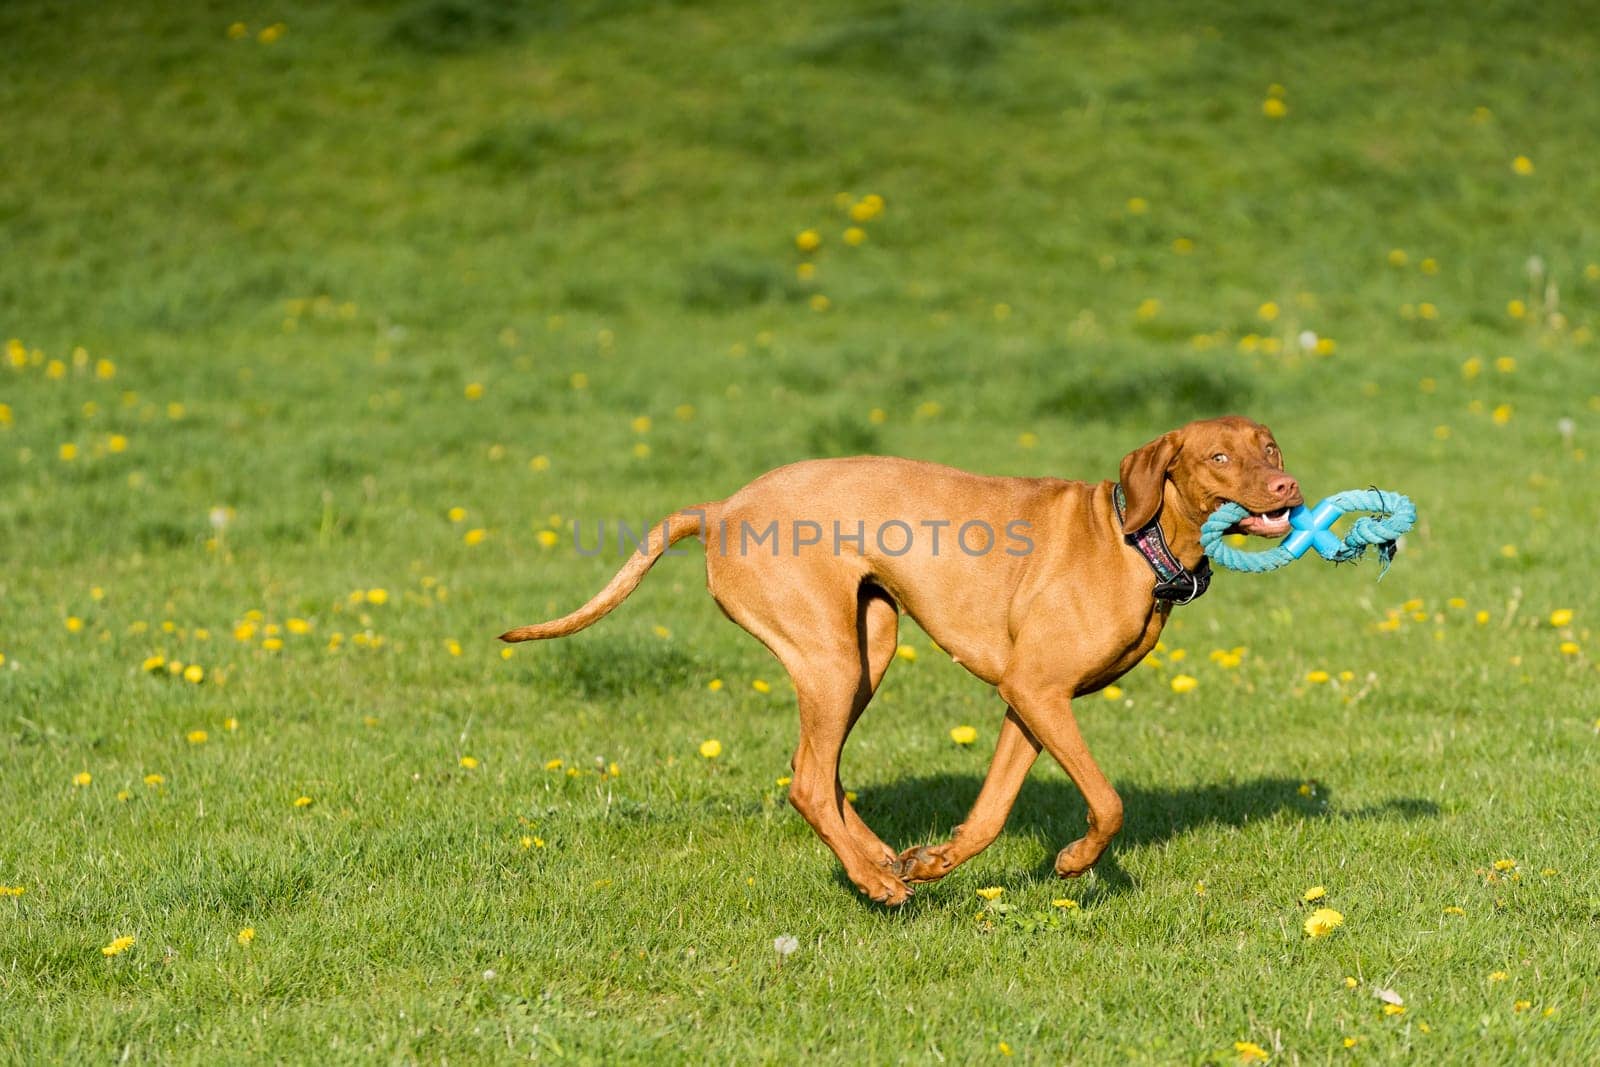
{"x":877,"y":637}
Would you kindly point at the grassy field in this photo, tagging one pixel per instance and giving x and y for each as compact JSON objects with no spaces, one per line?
{"x":281,"y":296}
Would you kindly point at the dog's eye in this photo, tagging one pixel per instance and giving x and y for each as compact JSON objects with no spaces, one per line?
{"x":1272,"y":450}
{"x":1220,"y":457}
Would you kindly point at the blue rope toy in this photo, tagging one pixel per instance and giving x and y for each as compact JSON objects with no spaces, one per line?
{"x":1312,"y":528}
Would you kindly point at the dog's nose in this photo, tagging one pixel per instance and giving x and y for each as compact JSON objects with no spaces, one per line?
{"x":1282,"y":485}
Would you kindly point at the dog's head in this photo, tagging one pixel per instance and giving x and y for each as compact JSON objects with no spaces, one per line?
{"x":1210,"y":463}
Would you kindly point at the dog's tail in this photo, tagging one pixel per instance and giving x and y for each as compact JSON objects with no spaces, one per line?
{"x":675,"y":528}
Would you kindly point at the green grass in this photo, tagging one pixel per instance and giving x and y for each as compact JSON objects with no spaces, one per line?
{"x":314,"y":246}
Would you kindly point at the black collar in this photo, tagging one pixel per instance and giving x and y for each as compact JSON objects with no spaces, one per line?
{"x":1174,"y":582}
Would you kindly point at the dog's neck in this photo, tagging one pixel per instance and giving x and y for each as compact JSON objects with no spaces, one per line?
{"x":1180,"y":527}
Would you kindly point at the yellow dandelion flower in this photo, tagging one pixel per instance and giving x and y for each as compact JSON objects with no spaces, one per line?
{"x":1498,"y":976}
{"x":1501,"y":414}
{"x":194,"y":674}
{"x":1268,"y":312}
{"x":715,"y":685}
{"x":907,"y":653}
{"x":1482,"y":617}
{"x":475,"y":536}
{"x":119,"y":945}
{"x":808,"y":240}
{"x":711,"y":748}
{"x":469,"y":762}
{"x":641,"y":450}
{"x":805,"y":271}
{"x":547,"y":538}
{"x":963,"y":735}
{"x":784,"y":780}
{"x":854,"y":236}
{"x":154,"y":780}
{"x":507,"y":653}
{"x":245,"y":936}
{"x":1112,"y":692}
{"x":377,"y":596}
{"x":1522,"y":165}
{"x":1350,"y":982}
{"x":272,"y":33}
{"x":553,"y":765}
{"x":1452,"y":909}
{"x":297,"y":626}
{"x":820,"y":302}
{"x":82,"y":778}
{"x":456,"y":514}
{"x":473,"y":391}
{"x":302,"y":802}
{"x":1316,"y":892}
{"x":197,"y":737}
{"x":1183,"y":683}
{"x":153,"y":663}
{"x":1522,"y":1005}
{"x":1394,"y":1009}
{"x":1323,"y":921}
{"x":539,"y":463}
{"x":273,"y":644}
{"x":760,"y":685}
{"x":74,"y":624}
{"x":1505,"y":865}
{"x":991,"y":892}
{"x":1182,"y":245}
{"x":1148,"y":308}
{"x":1065,"y":903}
{"x":1249,"y":1051}
{"x":1351,"y":1042}
{"x":1570,"y":648}
{"x":116,"y":443}
{"x":1137,"y":205}
{"x":1317,"y":677}
{"x":1561,"y":617}
{"x":1274,"y":108}
{"x":1516,"y":309}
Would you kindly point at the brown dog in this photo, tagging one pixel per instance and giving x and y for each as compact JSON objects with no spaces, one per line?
{"x":1061,"y":597}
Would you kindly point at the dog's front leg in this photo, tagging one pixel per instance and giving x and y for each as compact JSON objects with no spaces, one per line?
{"x":1014,"y":754}
{"x":1045,"y":707}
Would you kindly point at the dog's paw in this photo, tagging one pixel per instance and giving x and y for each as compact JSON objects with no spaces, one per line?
{"x":1077,"y":858}
{"x":885,"y":887}
{"x":925,"y":863}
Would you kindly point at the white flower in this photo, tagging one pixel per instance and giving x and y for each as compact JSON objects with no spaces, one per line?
{"x":1388,"y":996}
{"x":1308,"y":340}
{"x":784,"y":944}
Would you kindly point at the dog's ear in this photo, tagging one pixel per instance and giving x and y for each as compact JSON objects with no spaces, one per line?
{"x":1144,"y":476}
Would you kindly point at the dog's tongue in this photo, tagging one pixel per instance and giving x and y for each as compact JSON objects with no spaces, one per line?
{"x":1263,"y":526}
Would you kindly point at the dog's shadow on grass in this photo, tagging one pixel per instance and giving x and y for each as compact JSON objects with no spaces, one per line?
{"x":924,"y":810}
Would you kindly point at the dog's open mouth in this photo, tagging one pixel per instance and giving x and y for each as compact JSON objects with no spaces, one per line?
{"x":1264,"y":523}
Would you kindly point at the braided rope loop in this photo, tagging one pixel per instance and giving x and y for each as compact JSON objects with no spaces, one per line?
{"x":1312,"y":528}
